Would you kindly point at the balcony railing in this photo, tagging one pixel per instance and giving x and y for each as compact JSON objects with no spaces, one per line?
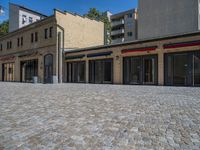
{"x":116,"y":32}
{"x":119,"y":40}
{"x":116,"y":23}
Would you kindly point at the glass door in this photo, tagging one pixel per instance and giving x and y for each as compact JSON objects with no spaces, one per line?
{"x":48,"y":68}
{"x":149,"y":70}
{"x":107,"y":73}
{"x":140,"y":70}
{"x":135,"y":70}
{"x":76,"y":72}
{"x":101,"y":71}
{"x":181,"y":67}
{"x":196,"y":66}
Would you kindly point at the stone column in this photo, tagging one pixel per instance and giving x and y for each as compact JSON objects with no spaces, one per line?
{"x":160,"y":67}
{"x":1,"y":69}
{"x":117,"y":69}
{"x":87,"y":71}
{"x":17,"y":69}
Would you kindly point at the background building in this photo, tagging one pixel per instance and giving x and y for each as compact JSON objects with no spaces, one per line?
{"x":158,"y":18}
{"x":124,"y":26}
{"x":36,"y":50}
{"x":20,"y":16}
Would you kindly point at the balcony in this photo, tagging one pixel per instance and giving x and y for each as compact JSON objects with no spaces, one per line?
{"x":116,"y":23}
{"x":116,"y":32}
{"x":119,"y":40}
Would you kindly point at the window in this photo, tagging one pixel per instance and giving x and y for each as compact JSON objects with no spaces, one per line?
{"x":23,"y":19}
{"x":130,"y":34}
{"x":45,"y":33}
{"x":30,"y":20}
{"x":130,"y":15}
{"x":18,"y":41}
{"x":1,"y":47}
{"x":50,"y":32}
{"x":32,"y":36}
{"x":10,"y":44}
{"x":36,"y":36}
{"x":22,"y":41}
{"x":7,"y":45}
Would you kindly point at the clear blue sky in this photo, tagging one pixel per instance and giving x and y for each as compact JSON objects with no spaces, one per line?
{"x":79,"y":6}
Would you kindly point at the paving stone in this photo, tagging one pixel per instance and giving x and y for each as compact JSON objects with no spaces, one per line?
{"x":100,"y":117}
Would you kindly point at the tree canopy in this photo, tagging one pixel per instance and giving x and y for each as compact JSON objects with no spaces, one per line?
{"x":4,"y":28}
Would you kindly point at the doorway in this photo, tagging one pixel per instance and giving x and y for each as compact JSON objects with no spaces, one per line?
{"x":140,"y":70}
{"x":101,"y":71}
{"x":182,"y":69}
{"x":8,"y":72}
{"x":48,"y":68}
{"x":28,"y":70}
{"x":76,"y":72}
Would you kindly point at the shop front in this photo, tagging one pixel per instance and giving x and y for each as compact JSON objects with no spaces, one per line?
{"x":182,"y":69}
{"x":28,"y":70}
{"x":101,"y":71}
{"x":8,"y":72}
{"x":76,"y":72}
{"x":140,"y":70}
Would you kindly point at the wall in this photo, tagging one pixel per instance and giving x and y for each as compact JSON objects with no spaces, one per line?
{"x":13,"y":17}
{"x":79,"y":31}
{"x":165,"y":17}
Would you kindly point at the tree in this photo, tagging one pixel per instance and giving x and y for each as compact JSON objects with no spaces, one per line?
{"x":4,"y":28}
{"x":93,"y":13}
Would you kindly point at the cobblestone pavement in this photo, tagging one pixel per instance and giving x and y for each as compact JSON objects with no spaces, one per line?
{"x":99,"y":117}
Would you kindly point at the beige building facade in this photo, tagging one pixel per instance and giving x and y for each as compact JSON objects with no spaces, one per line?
{"x":35,"y":52}
{"x":173,"y":60}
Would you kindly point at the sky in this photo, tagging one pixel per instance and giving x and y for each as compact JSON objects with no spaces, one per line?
{"x":77,"y":6}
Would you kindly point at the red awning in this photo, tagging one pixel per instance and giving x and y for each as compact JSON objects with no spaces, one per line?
{"x":142,"y":49}
{"x":179,"y":45}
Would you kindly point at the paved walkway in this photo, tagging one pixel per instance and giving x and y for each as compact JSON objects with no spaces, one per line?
{"x":99,"y":117}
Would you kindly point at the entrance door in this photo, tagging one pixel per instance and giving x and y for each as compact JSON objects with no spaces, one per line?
{"x":29,"y":69}
{"x":101,"y":71}
{"x":181,"y":66}
{"x":196,"y":76}
{"x":140,"y":70}
{"x":149,"y":70}
{"x":182,"y":69}
{"x":8,"y":72}
{"x":48,"y":68}
{"x":76,"y":72}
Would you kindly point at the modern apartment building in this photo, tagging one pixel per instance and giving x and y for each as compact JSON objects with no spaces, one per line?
{"x":36,"y":50}
{"x":124,"y":26}
{"x":20,"y":16}
{"x":157,"y":18}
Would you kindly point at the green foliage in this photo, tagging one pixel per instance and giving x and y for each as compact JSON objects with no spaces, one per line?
{"x":4,"y":28}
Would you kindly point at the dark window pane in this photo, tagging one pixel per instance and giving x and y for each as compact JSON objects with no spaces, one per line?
{"x":197,"y":69}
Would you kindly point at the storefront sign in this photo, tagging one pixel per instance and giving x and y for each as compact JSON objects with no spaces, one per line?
{"x":6,"y":58}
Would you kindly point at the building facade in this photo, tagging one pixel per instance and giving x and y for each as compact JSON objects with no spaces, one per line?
{"x":171,"y":60}
{"x":36,"y":50}
{"x":158,"y":18}
{"x":124,"y":26}
{"x":20,"y":16}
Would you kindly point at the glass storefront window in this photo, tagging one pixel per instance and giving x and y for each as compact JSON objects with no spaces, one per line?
{"x":8,"y":72}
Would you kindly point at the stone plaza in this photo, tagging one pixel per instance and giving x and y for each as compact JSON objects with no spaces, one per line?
{"x":99,"y":117}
